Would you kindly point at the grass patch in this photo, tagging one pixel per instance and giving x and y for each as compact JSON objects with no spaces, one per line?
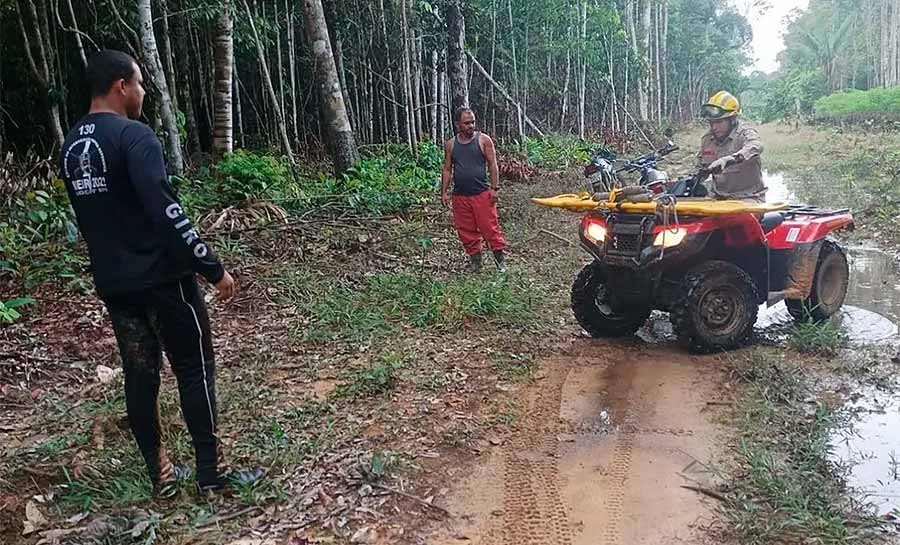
{"x":121,"y":480}
{"x":823,"y":339}
{"x":386,"y":304}
{"x":376,"y":380}
{"x":787,"y":487}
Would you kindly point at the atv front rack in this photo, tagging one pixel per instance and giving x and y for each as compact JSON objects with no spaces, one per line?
{"x":696,"y":207}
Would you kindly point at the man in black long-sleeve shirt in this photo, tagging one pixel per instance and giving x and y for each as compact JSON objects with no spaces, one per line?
{"x":144,"y":258}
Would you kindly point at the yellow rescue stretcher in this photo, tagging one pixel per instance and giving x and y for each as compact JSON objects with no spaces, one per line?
{"x":583,"y":202}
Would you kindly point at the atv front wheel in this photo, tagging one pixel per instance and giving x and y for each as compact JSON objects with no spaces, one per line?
{"x":829,"y":286}
{"x":717,"y":307}
{"x":597,"y":309}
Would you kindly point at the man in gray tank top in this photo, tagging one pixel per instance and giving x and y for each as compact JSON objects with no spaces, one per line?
{"x":468,"y":159}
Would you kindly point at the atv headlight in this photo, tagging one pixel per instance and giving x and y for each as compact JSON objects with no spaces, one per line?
{"x":595,"y":233}
{"x":670,"y":237}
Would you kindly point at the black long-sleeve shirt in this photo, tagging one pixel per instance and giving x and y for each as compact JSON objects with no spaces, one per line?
{"x":137,"y":233}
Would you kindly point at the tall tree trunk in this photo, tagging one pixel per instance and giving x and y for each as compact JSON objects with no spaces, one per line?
{"x":168,"y":54}
{"x":434,"y":97}
{"x":280,"y":57}
{"x":515,"y":88}
{"x":644,"y":80}
{"x":236,"y":94}
{"x":456,"y":57}
{"x":582,"y":25}
{"x":41,"y":63}
{"x":223,"y":127}
{"x":292,"y":67}
{"x":267,"y":77}
{"x":445,"y":109}
{"x":154,"y":68}
{"x":334,"y":111}
{"x":665,"y":57}
{"x":392,"y":86}
{"x":657,"y":63}
{"x":407,"y":78}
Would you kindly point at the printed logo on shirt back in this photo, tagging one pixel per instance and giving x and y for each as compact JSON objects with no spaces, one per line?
{"x":84,"y":164}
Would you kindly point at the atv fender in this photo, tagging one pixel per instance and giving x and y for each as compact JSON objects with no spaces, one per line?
{"x":801,"y":269}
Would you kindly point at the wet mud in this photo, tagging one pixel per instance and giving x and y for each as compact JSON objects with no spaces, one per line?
{"x":608,"y":443}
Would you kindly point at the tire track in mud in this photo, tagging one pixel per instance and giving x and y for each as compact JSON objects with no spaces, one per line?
{"x":596,"y":456}
{"x":533,"y":510}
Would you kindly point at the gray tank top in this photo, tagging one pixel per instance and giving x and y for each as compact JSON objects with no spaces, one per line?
{"x":469,"y":167}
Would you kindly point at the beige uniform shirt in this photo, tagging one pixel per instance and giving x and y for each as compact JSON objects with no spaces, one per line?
{"x":742,"y":180}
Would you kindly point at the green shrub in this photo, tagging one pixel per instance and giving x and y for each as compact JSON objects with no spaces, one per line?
{"x":854,"y":106}
{"x":388,"y":180}
{"x":44,"y":215}
{"x":244,"y":175}
{"x":557,"y":152}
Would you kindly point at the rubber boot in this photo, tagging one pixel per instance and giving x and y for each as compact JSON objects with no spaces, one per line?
{"x":474,"y":265}
{"x":500,"y":260}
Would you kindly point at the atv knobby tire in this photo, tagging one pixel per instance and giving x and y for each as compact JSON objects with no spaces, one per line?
{"x":597,"y":312}
{"x":829,"y":286}
{"x":716,"y":308}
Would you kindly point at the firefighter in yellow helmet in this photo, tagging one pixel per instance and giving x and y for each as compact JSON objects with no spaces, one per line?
{"x":731,"y":151}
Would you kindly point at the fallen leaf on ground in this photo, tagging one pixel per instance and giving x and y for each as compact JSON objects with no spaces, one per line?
{"x":34,"y":519}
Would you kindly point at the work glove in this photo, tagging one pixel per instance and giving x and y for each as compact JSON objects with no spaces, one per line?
{"x":720,"y":164}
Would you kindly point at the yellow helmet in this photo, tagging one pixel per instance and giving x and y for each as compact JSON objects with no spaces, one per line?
{"x":721,"y":105}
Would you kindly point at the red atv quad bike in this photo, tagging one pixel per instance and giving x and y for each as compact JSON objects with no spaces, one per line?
{"x":710,"y":272}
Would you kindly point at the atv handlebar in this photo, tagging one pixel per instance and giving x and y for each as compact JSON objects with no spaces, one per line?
{"x":649,"y":160}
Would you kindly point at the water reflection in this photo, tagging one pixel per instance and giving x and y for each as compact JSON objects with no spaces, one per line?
{"x":872,"y":450}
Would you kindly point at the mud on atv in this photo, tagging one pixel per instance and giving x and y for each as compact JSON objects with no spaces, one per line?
{"x":709,"y":272}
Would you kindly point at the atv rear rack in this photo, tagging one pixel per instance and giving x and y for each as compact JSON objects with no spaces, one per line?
{"x":807,"y":210}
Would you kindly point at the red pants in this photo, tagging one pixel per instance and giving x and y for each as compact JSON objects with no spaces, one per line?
{"x":475,"y":219}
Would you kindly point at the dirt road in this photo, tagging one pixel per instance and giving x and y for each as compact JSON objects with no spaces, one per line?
{"x":608,"y":438}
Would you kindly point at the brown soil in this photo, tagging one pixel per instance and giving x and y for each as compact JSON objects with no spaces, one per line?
{"x":606,"y":442}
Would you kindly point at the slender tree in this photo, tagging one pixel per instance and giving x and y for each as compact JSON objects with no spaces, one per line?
{"x":223,"y":131}
{"x":456,"y":57}
{"x":334,"y":113}
{"x":154,"y":67}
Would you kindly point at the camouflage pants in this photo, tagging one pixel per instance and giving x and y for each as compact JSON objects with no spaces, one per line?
{"x":172,"y":316}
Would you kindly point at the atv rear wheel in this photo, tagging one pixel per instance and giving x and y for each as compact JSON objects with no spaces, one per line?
{"x":829,"y":286}
{"x":597,"y":309}
{"x":716,"y":308}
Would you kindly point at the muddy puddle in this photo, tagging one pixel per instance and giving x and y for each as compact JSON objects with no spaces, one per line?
{"x":870,"y":448}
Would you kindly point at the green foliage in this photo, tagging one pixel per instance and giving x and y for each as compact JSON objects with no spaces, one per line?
{"x":557,"y":152}
{"x":385,"y":304}
{"x":824,"y":339}
{"x":244,"y":175}
{"x":392,"y":181}
{"x":877,"y":104}
{"x":44,"y":215}
{"x":388,"y":180}
{"x":373,"y":381}
{"x":8,"y":312}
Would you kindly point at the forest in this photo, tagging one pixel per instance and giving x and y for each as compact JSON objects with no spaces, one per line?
{"x":244,"y":73}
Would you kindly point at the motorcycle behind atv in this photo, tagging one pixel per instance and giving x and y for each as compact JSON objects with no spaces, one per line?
{"x":709,"y":264}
